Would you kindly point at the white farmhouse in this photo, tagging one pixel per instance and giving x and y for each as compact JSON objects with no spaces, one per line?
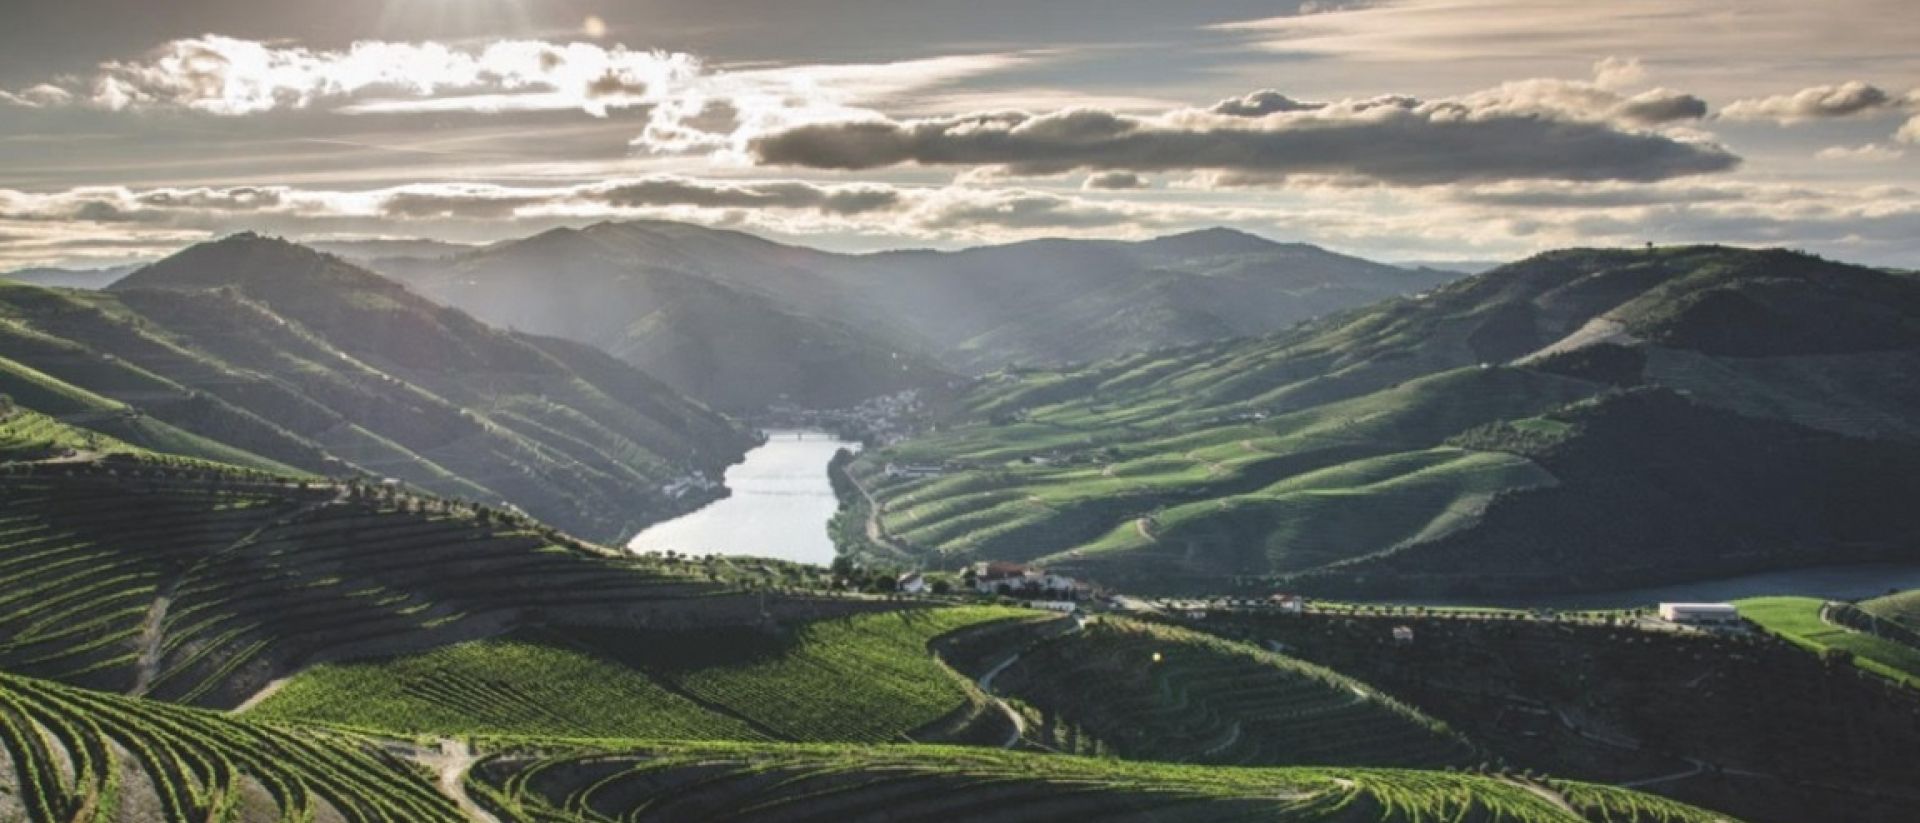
{"x":911,"y":583}
{"x":1700,"y":613}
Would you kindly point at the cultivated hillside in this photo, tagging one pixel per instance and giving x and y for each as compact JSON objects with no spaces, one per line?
{"x":1581,"y":419}
{"x":298,"y":358}
{"x":741,"y":321}
{"x":397,"y":657}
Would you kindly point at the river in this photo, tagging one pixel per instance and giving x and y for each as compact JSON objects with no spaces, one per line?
{"x":779,"y":508}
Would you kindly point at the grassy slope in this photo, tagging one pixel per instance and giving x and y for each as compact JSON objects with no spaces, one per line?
{"x":249,"y":576}
{"x":928,"y":783}
{"x":1202,"y":439}
{"x":1902,"y":608}
{"x":269,"y":349}
{"x":860,"y":679}
{"x":1151,"y":692}
{"x":126,"y":426}
{"x":1239,"y":493}
{"x":75,"y":754}
{"x":1798,"y":620}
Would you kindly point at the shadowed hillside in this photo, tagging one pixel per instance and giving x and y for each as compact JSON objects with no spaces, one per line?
{"x":298,"y":358}
{"x":1581,"y":419}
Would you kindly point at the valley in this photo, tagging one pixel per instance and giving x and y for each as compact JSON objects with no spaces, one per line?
{"x":198,"y":582}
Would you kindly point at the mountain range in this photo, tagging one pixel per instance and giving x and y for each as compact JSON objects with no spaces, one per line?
{"x":740,"y":321}
{"x":299,"y":361}
{"x":1586,"y":419}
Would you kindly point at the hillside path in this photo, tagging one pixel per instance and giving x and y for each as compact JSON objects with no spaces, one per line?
{"x":451,"y":761}
{"x":152,"y":627}
{"x":876,"y":531}
{"x":985,"y":682}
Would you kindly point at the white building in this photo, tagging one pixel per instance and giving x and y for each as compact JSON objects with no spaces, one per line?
{"x":911,"y":583}
{"x":1700,"y":613}
{"x":915,"y":470}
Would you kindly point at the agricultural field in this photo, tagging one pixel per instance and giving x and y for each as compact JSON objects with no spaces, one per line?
{"x":1152,"y":692}
{"x":510,"y":686}
{"x":869,"y":678}
{"x":902,"y":783}
{"x":73,"y":754}
{"x":201,"y":585}
{"x":258,"y":352}
{"x":1421,"y":447}
{"x":1902,"y":608}
{"x":1798,"y":620}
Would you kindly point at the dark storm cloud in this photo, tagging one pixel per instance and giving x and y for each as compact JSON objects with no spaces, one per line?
{"x":1505,"y":134}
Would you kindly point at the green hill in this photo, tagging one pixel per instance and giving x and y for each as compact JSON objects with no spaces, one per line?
{"x":1146,"y":692}
{"x":200,"y":584}
{"x":78,"y":754}
{"x":367,"y":637}
{"x":1580,"y":419}
{"x":1802,"y":621}
{"x":864,"y":679}
{"x":260,"y":347}
{"x":75,"y":754}
{"x":1901,"y":607}
{"x":919,"y":783}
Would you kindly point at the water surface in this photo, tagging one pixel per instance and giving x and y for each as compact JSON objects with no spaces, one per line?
{"x":780,"y":505}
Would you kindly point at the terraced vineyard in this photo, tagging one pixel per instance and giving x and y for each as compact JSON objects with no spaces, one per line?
{"x":201,"y":586}
{"x":1798,"y":619}
{"x":869,"y":678}
{"x":910,"y":783}
{"x":29,"y":435}
{"x":1151,"y":692}
{"x":1902,"y":608}
{"x":1423,"y":446}
{"x":267,"y":354}
{"x":75,"y":754}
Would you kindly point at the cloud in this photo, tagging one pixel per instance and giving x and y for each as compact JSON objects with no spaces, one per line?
{"x":1910,"y":132}
{"x":1535,"y":129}
{"x":199,"y":207}
{"x":1728,"y":36}
{"x":227,"y":76}
{"x":41,"y":96}
{"x":1537,"y":195}
{"x":1114,"y":181}
{"x":1849,"y":99}
{"x":1868,"y":153}
{"x":1618,"y":73}
{"x":671,"y":191}
{"x":1261,"y":103}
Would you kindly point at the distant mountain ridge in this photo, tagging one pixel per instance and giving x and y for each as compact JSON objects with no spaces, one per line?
{"x":70,"y":278}
{"x":313,"y":363}
{"x":695,"y":306}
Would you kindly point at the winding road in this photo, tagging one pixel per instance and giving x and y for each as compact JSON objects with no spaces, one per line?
{"x":985,"y":682}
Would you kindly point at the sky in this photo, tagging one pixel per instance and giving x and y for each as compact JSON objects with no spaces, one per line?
{"x":1433,"y":130}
